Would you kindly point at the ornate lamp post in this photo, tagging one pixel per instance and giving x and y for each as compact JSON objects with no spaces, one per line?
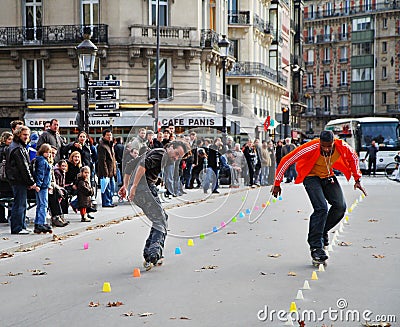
{"x":224,"y":48}
{"x":87,"y":52}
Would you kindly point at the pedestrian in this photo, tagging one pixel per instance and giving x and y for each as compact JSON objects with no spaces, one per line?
{"x":42,"y":176}
{"x":272,"y":168}
{"x":291,"y":171}
{"x":119,"y":154}
{"x":278,"y":151}
{"x":107,"y":169}
{"x":257,"y":162}
{"x":52,"y":136}
{"x":20,"y":178}
{"x":15,"y":124}
{"x":149,"y":138}
{"x":316,"y":160}
{"x":372,"y":150}
{"x":265,"y":163}
{"x":85,"y":193}
{"x":143,"y":193}
{"x":250,"y":155}
{"x":60,"y":170}
{"x":214,"y":153}
{"x":157,"y":141}
{"x":5,"y":188}
{"x":140,"y":140}
{"x":74,"y":164}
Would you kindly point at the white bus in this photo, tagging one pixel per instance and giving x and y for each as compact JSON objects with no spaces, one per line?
{"x":359,"y":132}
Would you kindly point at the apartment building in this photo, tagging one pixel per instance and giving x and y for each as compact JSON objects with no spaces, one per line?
{"x":351,"y":56}
{"x":39,"y":64}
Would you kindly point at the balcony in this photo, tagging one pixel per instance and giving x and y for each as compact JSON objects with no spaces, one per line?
{"x":209,"y":39}
{"x":33,"y":94}
{"x":323,"y":38}
{"x":393,"y":108}
{"x":343,"y":60}
{"x":309,"y":63}
{"x":310,"y":40}
{"x":309,"y":112}
{"x":326,"y":88}
{"x":343,"y":87}
{"x":165,"y":93}
{"x":326,"y":62}
{"x":239,"y":17}
{"x":169,"y":35}
{"x":343,"y":110}
{"x":252,"y":69}
{"x":51,"y":35}
{"x":258,"y":23}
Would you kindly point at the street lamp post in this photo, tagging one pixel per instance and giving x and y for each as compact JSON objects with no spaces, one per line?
{"x":87,"y":55}
{"x":224,"y":48}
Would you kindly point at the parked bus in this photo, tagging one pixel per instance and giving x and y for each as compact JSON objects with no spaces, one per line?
{"x":359,"y":132}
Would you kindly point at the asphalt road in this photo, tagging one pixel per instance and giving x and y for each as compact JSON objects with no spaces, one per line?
{"x":241,"y":275}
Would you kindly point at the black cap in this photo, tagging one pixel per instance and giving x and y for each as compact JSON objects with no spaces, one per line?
{"x":326,"y":136}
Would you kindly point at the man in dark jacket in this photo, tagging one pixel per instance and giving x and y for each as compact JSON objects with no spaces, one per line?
{"x":52,"y":137}
{"x":107,"y":168}
{"x":20,"y":178}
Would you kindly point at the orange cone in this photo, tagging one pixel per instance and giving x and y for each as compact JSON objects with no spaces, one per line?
{"x":136,"y":272}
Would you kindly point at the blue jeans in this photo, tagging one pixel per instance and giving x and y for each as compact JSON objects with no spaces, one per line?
{"x":42,"y":204}
{"x":18,"y":210}
{"x":320,"y":191}
{"x":107,"y":196}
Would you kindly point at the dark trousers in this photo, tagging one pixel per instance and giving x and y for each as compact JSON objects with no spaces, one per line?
{"x":54,"y":205}
{"x":18,"y":211}
{"x":372,"y":164}
{"x":320,"y":191}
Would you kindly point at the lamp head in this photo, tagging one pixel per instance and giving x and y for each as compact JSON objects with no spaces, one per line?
{"x":224,"y":46}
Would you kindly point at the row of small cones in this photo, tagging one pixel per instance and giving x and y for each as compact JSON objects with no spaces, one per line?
{"x":321,"y":268}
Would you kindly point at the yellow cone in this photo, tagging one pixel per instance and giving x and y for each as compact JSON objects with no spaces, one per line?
{"x":293,"y":307}
{"x":106,"y":287}
{"x":190,"y":242}
{"x":314,"y":275}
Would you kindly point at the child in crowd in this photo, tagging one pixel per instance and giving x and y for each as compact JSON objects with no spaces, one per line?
{"x":42,"y":176}
{"x":85,"y":192}
{"x":60,"y":170}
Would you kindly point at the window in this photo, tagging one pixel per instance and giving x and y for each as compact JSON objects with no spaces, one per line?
{"x":33,"y":80}
{"x":327,"y":104}
{"x":164,"y":79}
{"x":384,"y":47}
{"x":384,"y":23}
{"x":329,"y":9}
{"x":368,"y":5}
{"x":327,"y":79}
{"x":327,"y":54}
{"x":344,"y":31}
{"x":383,"y":97}
{"x":311,"y":11}
{"x":90,"y":12}
{"x":362,"y":49}
{"x":327,"y":33}
{"x":384,"y":72}
{"x":362,"y":74}
{"x":361,"y":99}
{"x":362,"y":24}
{"x":213,"y":15}
{"x":33,"y":20}
{"x":344,"y":102}
{"x":343,"y":53}
{"x":310,"y":104}
{"x":310,"y":34}
{"x":163,"y":12}
{"x":343,"y":77}
{"x":310,"y":126}
{"x":309,"y":79}
{"x":310,"y":57}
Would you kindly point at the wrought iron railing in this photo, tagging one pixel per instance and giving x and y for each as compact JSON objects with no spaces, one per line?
{"x":247,"y":68}
{"x":38,"y":94}
{"x":238,"y":17}
{"x":51,"y":35}
{"x":164,"y":93}
{"x":209,"y":39}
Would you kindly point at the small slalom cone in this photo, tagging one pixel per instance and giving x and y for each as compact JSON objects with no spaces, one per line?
{"x":202,"y":236}
{"x":321,"y":267}
{"x":190,"y":242}
{"x":215,"y":229}
{"x":268,"y":203}
{"x":346,"y":219}
{"x":363,"y":195}
{"x":85,"y":246}
{"x":248,"y":211}
{"x":280,"y":198}
{"x":243,"y":198}
{"x":223,"y":224}
{"x":273,"y":200}
{"x":299,"y":295}
{"x":106,"y":287}
{"x":136,"y":272}
{"x":263,"y":205}
{"x":289,"y":321}
{"x":314,"y":275}
{"x":306,"y":285}
{"x":256,"y":208}
{"x":330,"y":248}
{"x":337,"y":233}
{"x":234,"y":219}
{"x":241,"y":215}
{"x":178,"y":250}
{"x":293,"y":307}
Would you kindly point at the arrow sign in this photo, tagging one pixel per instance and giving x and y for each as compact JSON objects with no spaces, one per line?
{"x":102,"y":95}
{"x":104,"y":83}
{"x":105,"y":114}
{"x":107,"y":106}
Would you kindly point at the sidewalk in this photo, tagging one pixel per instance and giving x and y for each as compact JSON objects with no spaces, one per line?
{"x":10,"y":243}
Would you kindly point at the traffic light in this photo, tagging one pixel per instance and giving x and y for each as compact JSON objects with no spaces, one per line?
{"x":285,"y":115}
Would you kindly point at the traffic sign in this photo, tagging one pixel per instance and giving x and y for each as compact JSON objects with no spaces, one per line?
{"x":105,"y":83}
{"x":105,"y":114}
{"x":102,"y":95}
{"x":107,"y":106}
